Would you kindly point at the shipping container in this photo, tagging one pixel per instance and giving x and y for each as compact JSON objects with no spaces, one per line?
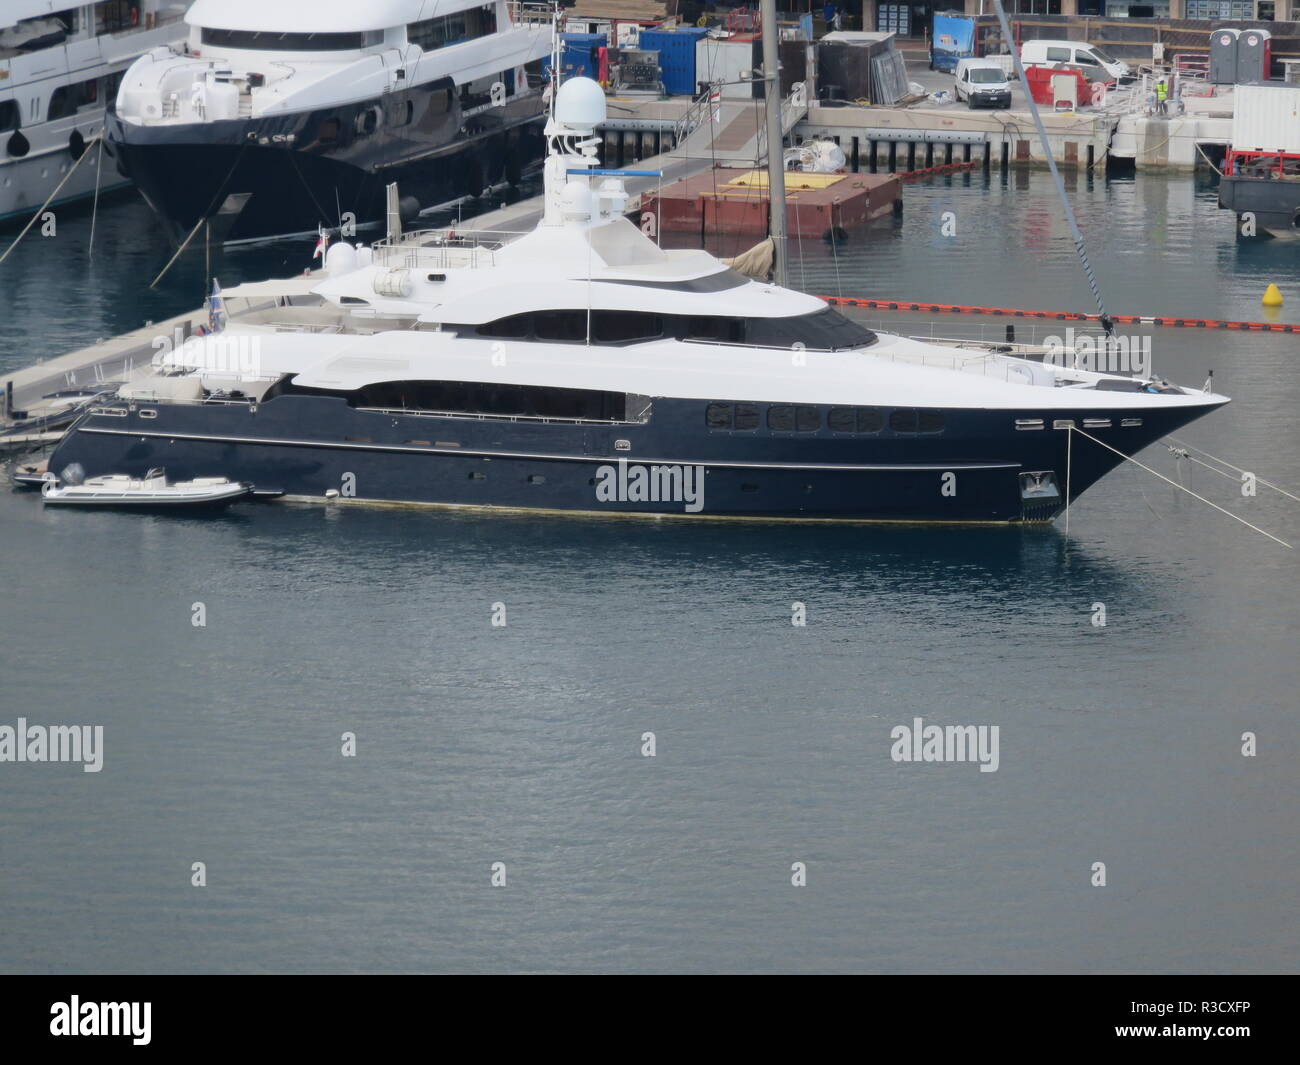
{"x":579,"y":56}
{"x":676,"y":50}
{"x":1266,"y":118}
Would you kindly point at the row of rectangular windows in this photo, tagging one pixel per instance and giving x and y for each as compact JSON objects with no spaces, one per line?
{"x":796,"y":418}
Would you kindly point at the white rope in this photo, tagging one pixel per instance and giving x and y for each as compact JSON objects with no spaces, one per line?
{"x":1223,"y":462}
{"x":1216,"y":506}
{"x":41,"y":210}
{"x":94,"y":211}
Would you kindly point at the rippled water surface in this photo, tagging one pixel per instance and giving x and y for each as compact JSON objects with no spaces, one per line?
{"x":522,"y":744}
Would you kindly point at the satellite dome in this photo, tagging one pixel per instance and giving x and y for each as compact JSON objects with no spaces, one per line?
{"x":340,"y":259}
{"x":580,"y":104}
{"x":575,"y":200}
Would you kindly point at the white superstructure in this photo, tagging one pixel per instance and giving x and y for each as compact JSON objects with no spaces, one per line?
{"x":254,"y":58}
{"x":429,"y":308}
{"x":59,"y":64}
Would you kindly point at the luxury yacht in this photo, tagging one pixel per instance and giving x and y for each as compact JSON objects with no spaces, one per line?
{"x":581,"y":367}
{"x":59,"y":64}
{"x":285,"y":116}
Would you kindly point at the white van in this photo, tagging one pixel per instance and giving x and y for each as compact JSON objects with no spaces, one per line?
{"x":1096,"y":64}
{"x":981,"y":82}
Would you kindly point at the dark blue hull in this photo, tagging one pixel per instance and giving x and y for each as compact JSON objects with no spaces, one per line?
{"x":293,"y":173}
{"x":311,"y":446}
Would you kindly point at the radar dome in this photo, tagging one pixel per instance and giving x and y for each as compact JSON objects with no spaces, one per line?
{"x":340,"y":259}
{"x":580,"y":104}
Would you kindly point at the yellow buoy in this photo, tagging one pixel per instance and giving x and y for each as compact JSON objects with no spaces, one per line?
{"x":1272,"y":297}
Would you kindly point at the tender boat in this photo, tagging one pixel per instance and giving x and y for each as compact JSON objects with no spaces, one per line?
{"x":288,"y":116}
{"x":152,"y":491}
{"x":584,"y":368}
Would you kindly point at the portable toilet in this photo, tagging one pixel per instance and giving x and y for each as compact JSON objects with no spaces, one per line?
{"x":1223,"y":56}
{"x":1254,"y":54}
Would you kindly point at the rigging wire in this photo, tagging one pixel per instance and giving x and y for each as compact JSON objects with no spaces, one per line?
{"x":1080,"y":249}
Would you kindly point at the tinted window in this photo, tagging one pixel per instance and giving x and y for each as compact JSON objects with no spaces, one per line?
{"x":60,"y":103}
{"x":808,"y":419}
{"x":718,"y":416}
{"x":719,"y":282}
{"x":290,"y":42}
{"x":560,"y":325}
{"x":517,"y":325}
{"x":746,"y":417}
{"x":824,"y":330}
{"x":1058,"y":55}
{"x":870,"y":420}
{"x":475,"y":397}
{"x":452,"y":29}
{"x":903,"y":421}
{"x":856,"y":420}
{"x":842,"y":420}
{"x":622,"y":327}
{"x":723,"y":330}
{"x":781,"y":419}
{"x":929,"y":421}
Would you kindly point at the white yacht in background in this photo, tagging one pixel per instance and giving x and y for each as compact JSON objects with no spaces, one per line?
{"x":287,"y":116}
{"x":584,"y":368}
{"x":59,"y":65}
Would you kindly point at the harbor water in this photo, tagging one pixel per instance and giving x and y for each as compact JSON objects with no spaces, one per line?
{"x":519,"y":751}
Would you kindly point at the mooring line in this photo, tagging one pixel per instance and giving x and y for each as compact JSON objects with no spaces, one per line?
{"x":1216,"y":506}
{"x":41,"y":210}
{"x":1225,"y":462}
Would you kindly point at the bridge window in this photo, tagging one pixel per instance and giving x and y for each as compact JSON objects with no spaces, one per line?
{"x":265,"y":41}
{"x":445,"y":30}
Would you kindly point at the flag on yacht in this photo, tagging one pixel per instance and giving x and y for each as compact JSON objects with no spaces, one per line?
{"x":216,"y":309}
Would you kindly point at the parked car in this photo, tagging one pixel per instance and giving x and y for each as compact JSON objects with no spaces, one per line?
{"x":981,"y":83}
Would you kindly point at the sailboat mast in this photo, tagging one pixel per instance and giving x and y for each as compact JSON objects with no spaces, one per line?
{"x":775,"y":151}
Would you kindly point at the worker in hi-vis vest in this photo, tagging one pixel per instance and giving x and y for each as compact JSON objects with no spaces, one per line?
{"x":1162,"y":96}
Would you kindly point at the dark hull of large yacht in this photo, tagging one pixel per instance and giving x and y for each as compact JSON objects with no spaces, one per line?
{"x":1274,"y":203}
{"x":270,"y":176}
{"x":979,"y":468}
